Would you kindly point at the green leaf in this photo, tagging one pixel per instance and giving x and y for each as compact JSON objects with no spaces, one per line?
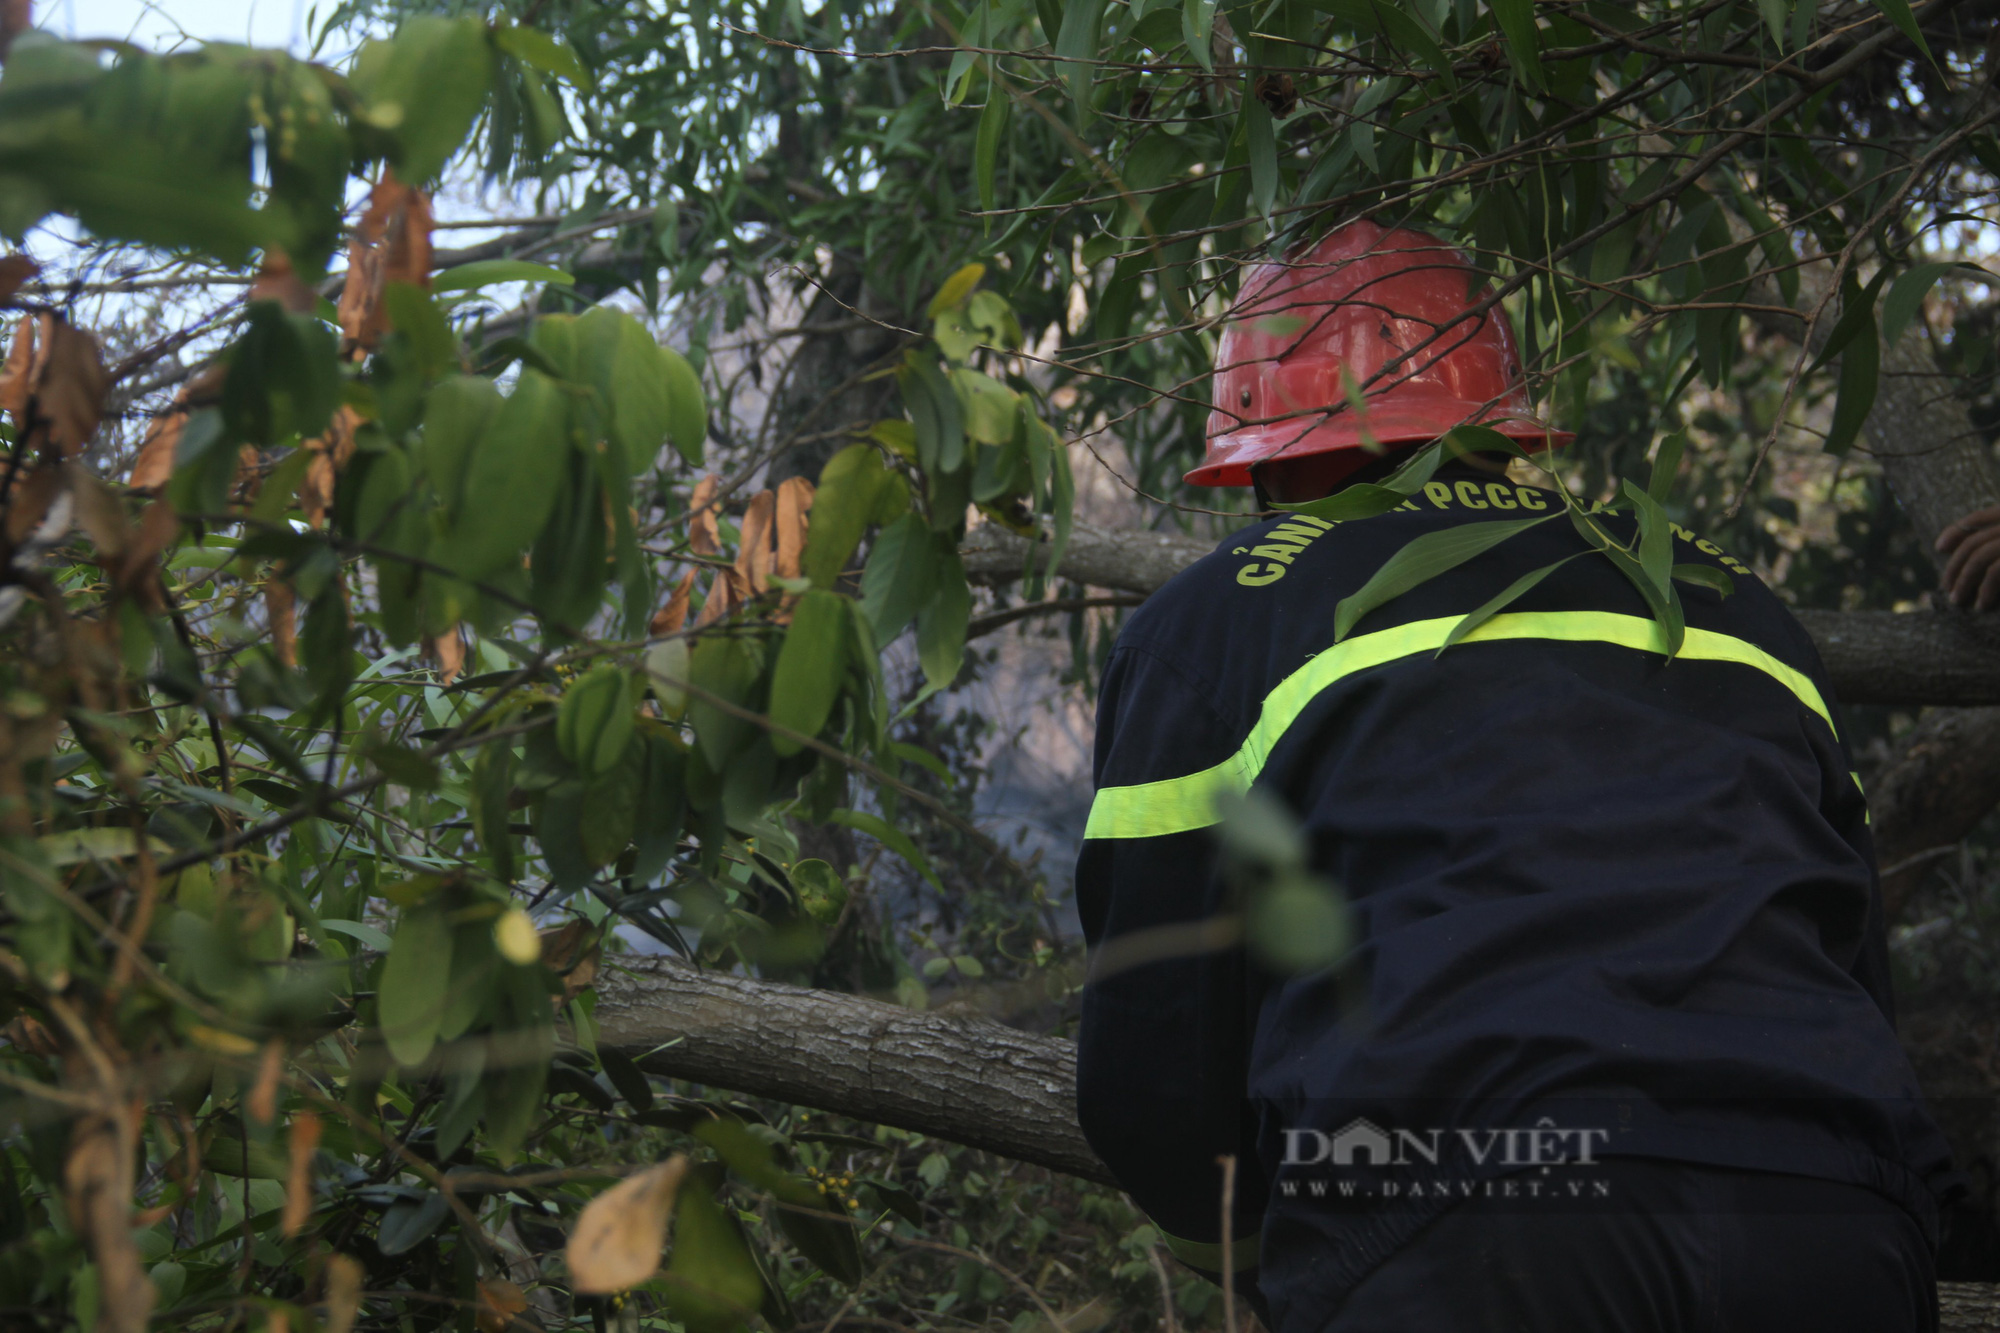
{"x":713,"y":1283}
{"x":1505,"y":598}
{"x":1907,"y":292}
{"x":539,"y":49}
{"x":1261,"y":138}
{"x":889,"y":836}
{"x":811,"y":665}
{"x":900,"y":577}
{"x":1666,"y":465}
{"x":594,"y":721}
{"x":1422,"y":559}
{"x":993,"y":121}
{"x":941,"y":624}
{"x":424,"y":87}
{"x":849,"y":486}
{"x":492,"y":785}
{"x":1860,"y":365}
{"x":617,"y":356}
{"x":410,"y":1000}
{"x":1898,"y":13}
{"x":726,"y":666}
{"x":687,"y":406}
{"x":1705,"y":576}
{"x":284,"y":378}
{"x":1198,"y":28}
{"x":989,"y":409}
{"x":1857,"y":311}
{"x":1367,"y":499}
{"x":1524,"y":39}
{"x":934,"y":412}
{"x":1665,"y":605}
{"x":1656,"y":538}
{"x":822,"y":892}
{"x":487,"y":272}
{"x":455,"y":419}
{"x":1774,"y":13}
{"x":1297,"y":924}
{"x":1077,"y":44}
{"x":511,"y":481}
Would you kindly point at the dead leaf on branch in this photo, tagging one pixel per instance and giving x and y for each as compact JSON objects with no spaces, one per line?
{"x":448,"y":650}
{"x":620,"y":1233}
{"x":281,"y":605}
{"x":344,"y":1276}
{"x":669,"y":618}
{"x":331,"y":453}
{"x":53,"y":384}
{"x":499,"y":1301}
{"x":27,"y":1034}
{"x":391,"y":243}
{"x":97,"y":1190}
{"x":16,"y":17}
{"x":303,"y":1143}
{"x":753,"y":551}
{"x":278,"y":281}
{"x":565,"y":953}
{"x":262,"y":1103}
{"x":795,"y":497}
{"x":704,"y":537}
{"x":722,"y":599}
{"x":14,"y":269}
{"x":153,"y":466}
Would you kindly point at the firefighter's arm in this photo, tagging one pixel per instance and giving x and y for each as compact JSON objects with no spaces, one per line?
{"x":1163,"y":1044}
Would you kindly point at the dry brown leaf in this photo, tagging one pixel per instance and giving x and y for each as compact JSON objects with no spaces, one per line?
{"x":721,"y":599}
{"x":69,"y":387}
{"x":448,"y":649}
{"x":703,"y":536}
{"x":35,"y":502}
{"x":331,"y":453}
{"x":262,"y":1102}
{"x":28,"y":1034}
{"x":14,"y":269}
{"x":278,"y":281}
{"x":101,"y":515}
{"x":154,"y":466}
{"x":97,"y":1190}
{"x":281,"y":605}
{"x":499,"y":1301}
{"x":620,"y":1233}
{"x":16,"y":17}
{"x":16,"y":371}
{"x":344,"y":1276}
{"x":391,"y":243}
{"x":566,"y":953}
{"x":277,"y":1321}
{"x":753,"y":552}
{"x":795,"y":497}
{"x":669,"y":618}
{"x":304,"y":1142}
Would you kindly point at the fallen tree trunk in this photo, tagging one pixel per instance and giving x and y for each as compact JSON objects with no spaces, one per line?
{"x":1873,"y":656}
{"x":959,"y":1078}
{"x":956,"y":1077}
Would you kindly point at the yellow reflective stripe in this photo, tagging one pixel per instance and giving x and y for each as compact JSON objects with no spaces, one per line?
{"x":1208,"y":1257}
{"x":1178,"y":805}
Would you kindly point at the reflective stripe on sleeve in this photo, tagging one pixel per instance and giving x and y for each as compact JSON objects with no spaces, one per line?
{"x":1178,"y":805}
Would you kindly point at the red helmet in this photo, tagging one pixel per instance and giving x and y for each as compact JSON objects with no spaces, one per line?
{"x":1357,"y":301}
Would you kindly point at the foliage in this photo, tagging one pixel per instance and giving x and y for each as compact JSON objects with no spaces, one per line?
{"x":285,"y":904}
{"x":435,"y":649}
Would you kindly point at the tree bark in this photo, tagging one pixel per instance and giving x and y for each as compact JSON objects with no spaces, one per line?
{"x":951,"y":1077}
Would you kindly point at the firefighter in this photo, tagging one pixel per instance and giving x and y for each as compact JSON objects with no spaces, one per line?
{"x":1612,"y":1044}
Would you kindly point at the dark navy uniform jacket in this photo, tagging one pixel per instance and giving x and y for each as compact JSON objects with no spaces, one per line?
{"x":1589,"y":886}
